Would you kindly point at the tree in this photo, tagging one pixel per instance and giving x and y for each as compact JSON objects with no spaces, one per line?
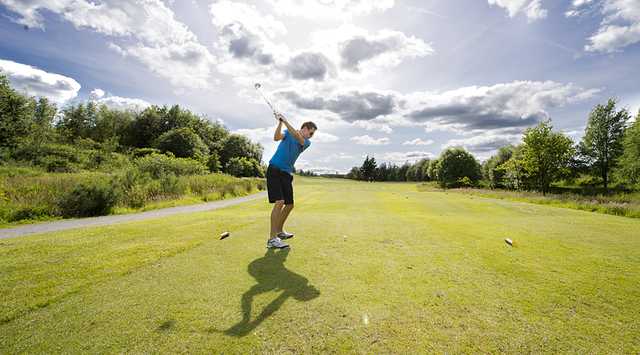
{"x":630,"y":160}
{"x":546,"y":155}
{"x":354,"y":173}
{"x":368,"y":169}
{"x":239,"y":146}
{"x":433,"y":170}
{"x":16,"y":114}
{"x":515,"y":175}
{"x":454,"y":165}
{"x":183,"y":143}
{"x":420,"y":169}
{"x":492,"y":169}
{"x":602,"y":142}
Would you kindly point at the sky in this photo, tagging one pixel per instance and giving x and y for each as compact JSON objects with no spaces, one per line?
{"x":399,"y":80}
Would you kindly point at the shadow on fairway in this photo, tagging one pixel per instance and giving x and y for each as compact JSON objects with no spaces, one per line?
{"x":271,"y":275}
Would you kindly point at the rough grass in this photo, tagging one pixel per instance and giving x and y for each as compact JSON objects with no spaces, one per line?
{"x":619,"y":204}
{"x":393,"y":270}
{"x":28,"y":194}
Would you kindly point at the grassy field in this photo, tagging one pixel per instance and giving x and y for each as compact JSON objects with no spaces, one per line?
{"x":374,"y":268}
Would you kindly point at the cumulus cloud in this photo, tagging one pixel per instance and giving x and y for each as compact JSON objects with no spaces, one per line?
{"x":323,"y":137}
{"x":373,"y":126}
{"x":367,"y":140}
{"x":619,"y":28}
{"x":363,"y":52}
{"x":517,"y":104}
{"x":309,"y":66}
{"x":149,"y":32}
{"x":314,"y":9}
{"x":96,"y":94}
{"x":530,"y":8}
{"x":404,"y":157}
{"x":37,"y":82}
{"x":123,"y":103}
{"x":350,"y":106}
{"x":418,"y":141}
{"x":484,"y":145}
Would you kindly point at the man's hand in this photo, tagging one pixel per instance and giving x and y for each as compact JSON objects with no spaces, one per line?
{"x":280,"y":117}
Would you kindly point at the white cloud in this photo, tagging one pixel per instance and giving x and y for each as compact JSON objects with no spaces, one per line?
{"x":148,"y":29}
{"x":620,"y":26}
{"x":367,"y":140}
{"x":403,"y":157}
{"x":37,"y":82}
{"x":329,"y":9}
{"x":418,"y":141}
{"x":96,"y":94}
{"x":323,"y":137}
{"x":363,"y":52}
{"x":485,"y":144}
{"x":264,"y":134}
{"x":530,"y":8}
{"x":373,"y":126}
{"x":514,"y":105}
{"x":123,"y":103}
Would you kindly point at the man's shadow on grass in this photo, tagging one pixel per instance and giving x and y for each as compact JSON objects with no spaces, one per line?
{"x":271,"y":274}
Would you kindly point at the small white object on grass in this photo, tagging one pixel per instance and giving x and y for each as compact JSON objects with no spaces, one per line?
{"x":509,"y":241}
{"x":365,"y":319}
{"x":224,"y":235}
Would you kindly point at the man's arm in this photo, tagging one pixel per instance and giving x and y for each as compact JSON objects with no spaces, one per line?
{"x":278,"y":134}
{"x":294,"y":132}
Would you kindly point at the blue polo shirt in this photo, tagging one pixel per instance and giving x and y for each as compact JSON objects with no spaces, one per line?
{"x":287,"y":153}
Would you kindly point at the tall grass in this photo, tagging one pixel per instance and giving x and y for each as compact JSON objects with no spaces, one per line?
{"x":32,"y":194}
{"x":625,"y":204}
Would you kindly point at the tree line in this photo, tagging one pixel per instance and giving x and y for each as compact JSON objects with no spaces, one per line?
{"x":34,"y":130}
{"x":609,"y":151}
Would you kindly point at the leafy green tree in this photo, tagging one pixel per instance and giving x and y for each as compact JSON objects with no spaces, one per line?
{"x":492,"y":169}
{"x":354,"y":173}
{"x":421,"y":170}
{"x":402,"y":172}
{"x":546,"y":155}
{"x":368,"y":169}
{"x":16,"y":114}
{"x":239,"y":146}
{"x":454,"y":165}
{"x":213,"y":162}
{"x":183,"y":143}
{"x":602,"y":142}
{"x":433,"y":170}
{"x":411,"y":173}
{"x":630,"y":160}
{"x":146,"y":127}
{"x":515,"y":175}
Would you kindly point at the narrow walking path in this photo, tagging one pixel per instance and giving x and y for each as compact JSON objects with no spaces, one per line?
{"x":106,"y":220}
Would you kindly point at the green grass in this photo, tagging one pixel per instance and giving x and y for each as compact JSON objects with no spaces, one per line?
{"x":374,"y":268}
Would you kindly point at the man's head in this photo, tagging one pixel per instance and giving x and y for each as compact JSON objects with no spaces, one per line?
{"x":308,"y":129}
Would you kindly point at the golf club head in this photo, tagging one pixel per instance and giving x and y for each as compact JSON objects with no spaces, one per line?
{"x":257,"y":86}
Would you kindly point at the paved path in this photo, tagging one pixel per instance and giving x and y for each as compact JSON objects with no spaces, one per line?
{"x":106,"y":220}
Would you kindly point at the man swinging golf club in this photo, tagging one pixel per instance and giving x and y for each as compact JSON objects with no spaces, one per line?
{"x":280,"y":176}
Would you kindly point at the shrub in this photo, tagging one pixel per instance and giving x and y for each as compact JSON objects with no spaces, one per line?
{"x":89,"y":199}
{"x":243,"y":167}
{"x":158,"y":165}
{"x":54,"y":164}
{"x":143,"y":152}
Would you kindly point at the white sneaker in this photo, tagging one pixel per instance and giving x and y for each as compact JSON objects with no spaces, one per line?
{"x":276,"y":243}
{"x":285,"y":235}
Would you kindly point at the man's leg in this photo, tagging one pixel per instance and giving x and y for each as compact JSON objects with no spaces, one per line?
{"x":286,"y":209}
{"x":276,"y":213}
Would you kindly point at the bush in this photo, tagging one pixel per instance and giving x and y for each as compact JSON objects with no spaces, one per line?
{"x":89,"y":199}
{"x":158,"y":165}
{"x":143,"y":152}
{"x":55,"y":164}
{"x":243,"y":167}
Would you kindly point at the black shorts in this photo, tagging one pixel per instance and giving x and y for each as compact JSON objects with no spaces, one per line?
{"x":279,"y":185}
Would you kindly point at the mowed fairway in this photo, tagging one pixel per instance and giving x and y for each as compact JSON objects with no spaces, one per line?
{"x":374,"y":268}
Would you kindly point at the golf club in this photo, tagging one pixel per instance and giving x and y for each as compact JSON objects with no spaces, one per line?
{"x":258,"y":88}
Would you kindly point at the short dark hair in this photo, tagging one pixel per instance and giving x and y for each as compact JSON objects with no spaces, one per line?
{"x":309,"y":125}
